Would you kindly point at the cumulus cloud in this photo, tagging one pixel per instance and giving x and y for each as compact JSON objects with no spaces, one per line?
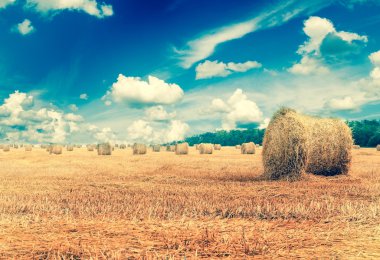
{"x":91,"y":7}
{"x":346,"y":103}
{"x":5,"y":3}
{"x":237,"y":110}
{"x":24,"y":27}
{"x":323,"y":35}
{"x":73,"y":107}
{"x":210,"y":69}
{"x":73,"y":117}
{"x":83,"y":96}
{"x":135,"y":91}
{"x":158,"y":113}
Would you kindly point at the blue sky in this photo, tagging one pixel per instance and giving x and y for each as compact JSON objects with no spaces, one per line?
{"x":157,"y":71}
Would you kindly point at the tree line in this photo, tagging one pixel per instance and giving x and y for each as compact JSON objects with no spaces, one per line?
{"x":366,"y":133}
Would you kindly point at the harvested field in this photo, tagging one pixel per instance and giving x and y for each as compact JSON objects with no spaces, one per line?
{"x":80,"y":205}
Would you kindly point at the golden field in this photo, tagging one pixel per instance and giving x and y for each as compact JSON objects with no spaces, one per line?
{"x":79,"y":205}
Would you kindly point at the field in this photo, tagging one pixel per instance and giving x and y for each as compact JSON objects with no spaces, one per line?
{"x":79,"y":205}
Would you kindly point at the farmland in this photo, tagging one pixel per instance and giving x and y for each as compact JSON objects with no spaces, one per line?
{"x":161,"y":205}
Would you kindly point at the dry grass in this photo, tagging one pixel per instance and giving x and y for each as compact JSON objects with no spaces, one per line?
{"x":80,"y":205}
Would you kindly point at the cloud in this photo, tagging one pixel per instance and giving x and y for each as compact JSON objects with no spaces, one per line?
{"x":237,"y":110}
{"x":375,"y":58}
{"x":309,"y":65}
{"x":135,"y":91}
{"x":83,"y":96}
{"x":158,"y":113}
{"x":73,"y":107}
{"x":324,"y":40}
{"x":24,"y":28}
{"x":345,"y":103}
{"x":264,"y":124}
{"x":204,"y":46}
{"x":73,"y":117}
{"x":210,"y":69}
{"x":5,"y":3}
{"x":91,"y":7}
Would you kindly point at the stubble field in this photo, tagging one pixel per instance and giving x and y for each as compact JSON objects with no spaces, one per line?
{"x":79,"y":205}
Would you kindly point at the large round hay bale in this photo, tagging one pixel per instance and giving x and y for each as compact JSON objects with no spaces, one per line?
{"x":296,"y":143}
{"x":139,"y":149}
{"x":15,"y":146}
{"x":28,"y":148}
{"x":123,"y":146}
{"x":356,"y":147}
{"x":182,"y":148}
{"x":6,"y":148}
{"x":248,"y":148}
{"x":205,"y":148}
{"x":238,"y":147}
{"x":104,"y":149}
{"x":217,"y":147}
{"x":378,"y":147}
{"x":156,"y":148}
{"x":70,"y":148}
{"x":55,"y":149}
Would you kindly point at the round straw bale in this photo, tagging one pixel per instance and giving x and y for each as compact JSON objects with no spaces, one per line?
{"x":248,"y":148}
{"x":238,"y":147}
{"x":55,"y":149}
{"x":378,"y":147}
{"x":104,"y":149}
{"x":70,"y":148}
{"x":205,"y":148}
{"x":28,"y":148}
{"x":296,"y":143}
{"x":6,"y":148}
{"x":182,"y":148}
{"x":356,"y":147}
{"x":1,"y":146}
{"x":123,"y":146}
{"x":156,"y":148}
{"x":90,"y":147}
{"x":139,"y":149}
{"x":217,"y":147}
{"x":15,"y":146}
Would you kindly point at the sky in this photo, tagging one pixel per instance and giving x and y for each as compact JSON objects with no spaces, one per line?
{"x":85,"y":71}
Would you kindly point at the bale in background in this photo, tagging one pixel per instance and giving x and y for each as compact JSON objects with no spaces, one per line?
{"x":170,"y":148}
{"x":28,"y":148}
{"x":123,"y":146}
{"x":205,"y":148}
{"x":182,"y":148}
{"x":139,"y":149}
{"x":15,"y":146}
{"x":197,"y":146}
{"x":90,"y":147}
{"x":296,"y":143}
{"x":70,"y":148}
{"x":238,"y":146}
{"x":104,"y":149}
{"x":248,"y":148}
{"x":6,"y":148}
{"x":55,"y":149}
{"x":356,"y":147}
{"x":378,"y":147}
{"x":156,"y":148}
{"x":217,"y":147}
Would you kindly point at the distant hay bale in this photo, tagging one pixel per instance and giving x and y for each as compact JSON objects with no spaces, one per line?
{"x":1,"y":146}
{"x":139,"y":149}
{"x":78,"y":146}
{"x":356,"y":147}
{"x":28,"y":148}
{"x":90,"y":147}
{"x":205,"y":148}
{"x":238,"y":147}
{"x":123,"y":146}
{"x":296,"y":143}
{"x":156,"y":148}
{"x":217,"y":147}
{"x":378,"y":147}
{"x":104,"y":149}
{"x":117,"y":145}
{"x":70,"y":148}
{"x":170,"y":148}
{"x":55,"y":149}
{"x":248,"y":148}
{"x":197,"y":147}
{"x":6,"y":148}
{"x":15,"y":146}
{"x":182,"y":148}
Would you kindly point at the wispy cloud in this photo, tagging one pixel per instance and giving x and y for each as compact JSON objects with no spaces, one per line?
{"x":200,"y":48}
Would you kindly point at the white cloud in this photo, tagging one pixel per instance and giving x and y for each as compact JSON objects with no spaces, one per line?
{"x":135,"y":91}
{"x":264,"y":124}
{"x":73,"y":107}
{"x":158,"y":113}
{"x":73,"y":117}
{"x":24,"y":27}
{"x":104,"y":135}
{"x":204,"y":46}
{"x":176,"y":132}
{"x":308,"y":66}
{"x":209,"y":69}
{"x":375,"y":58}
{"x":237,"y":109}
{"x":5,"y":3}
{"x":83,"y":96}
{"x":317,"y":29}
{"x":91,"y":7}
{"x":346,"y":103}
